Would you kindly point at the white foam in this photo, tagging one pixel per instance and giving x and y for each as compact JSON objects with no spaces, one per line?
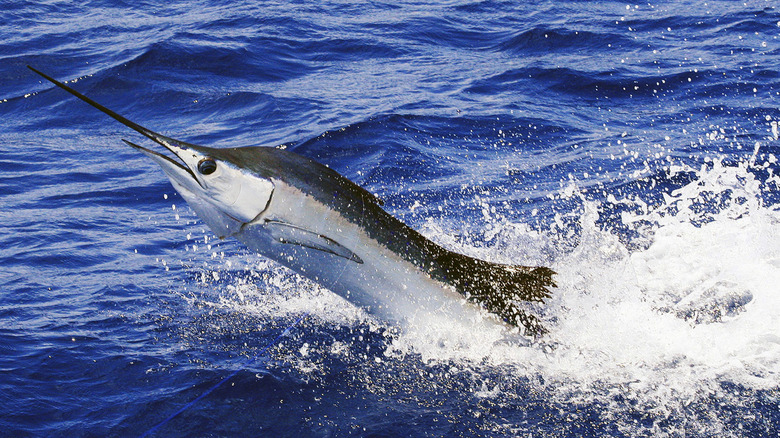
{"x":668,"y":324}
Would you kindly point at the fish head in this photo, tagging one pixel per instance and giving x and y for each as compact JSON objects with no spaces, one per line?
{"x":222,"y":193}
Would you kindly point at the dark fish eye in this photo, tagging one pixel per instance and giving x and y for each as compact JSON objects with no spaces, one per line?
{"x":207,"y":166}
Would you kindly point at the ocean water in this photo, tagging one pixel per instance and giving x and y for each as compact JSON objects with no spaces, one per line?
{"x":631,"y":147}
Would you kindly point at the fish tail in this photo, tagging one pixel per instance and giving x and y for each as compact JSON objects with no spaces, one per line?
{"x":501,"y":289}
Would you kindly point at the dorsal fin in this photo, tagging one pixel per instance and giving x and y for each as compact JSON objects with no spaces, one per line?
{"x":500,"y":289}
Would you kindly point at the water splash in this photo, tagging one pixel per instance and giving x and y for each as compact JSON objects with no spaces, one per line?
{"x":695,"y":308}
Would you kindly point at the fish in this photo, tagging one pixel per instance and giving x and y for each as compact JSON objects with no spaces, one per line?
{"x":315,"y":221}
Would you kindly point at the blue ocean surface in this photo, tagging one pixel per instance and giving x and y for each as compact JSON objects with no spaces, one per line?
{"x":631,"y":147}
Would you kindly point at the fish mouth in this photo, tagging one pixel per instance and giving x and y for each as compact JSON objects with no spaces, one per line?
{"x":176,"y":147}
{"x":165,"y":161}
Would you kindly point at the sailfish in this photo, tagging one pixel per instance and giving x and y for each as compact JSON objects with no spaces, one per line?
{"x":315,"y":221}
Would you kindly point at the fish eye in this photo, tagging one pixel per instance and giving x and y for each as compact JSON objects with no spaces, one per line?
{"x":207,"y":166}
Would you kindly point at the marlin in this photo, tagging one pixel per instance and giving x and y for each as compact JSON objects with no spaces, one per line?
{"x":310,"y":218}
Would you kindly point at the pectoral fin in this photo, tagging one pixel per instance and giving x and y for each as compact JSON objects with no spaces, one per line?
{"x":293,"y":235}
